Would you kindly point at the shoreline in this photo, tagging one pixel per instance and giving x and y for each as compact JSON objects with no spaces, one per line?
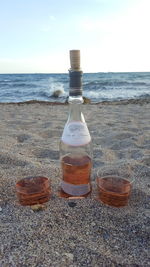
{"x":115,"y":102}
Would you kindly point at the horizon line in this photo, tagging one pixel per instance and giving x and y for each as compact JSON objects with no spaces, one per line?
{"x":37,"y":73}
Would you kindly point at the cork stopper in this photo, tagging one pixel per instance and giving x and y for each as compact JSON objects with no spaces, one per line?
{"x":75,"y":60}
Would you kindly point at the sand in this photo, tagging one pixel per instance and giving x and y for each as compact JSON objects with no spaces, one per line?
{"x":82,"y":232}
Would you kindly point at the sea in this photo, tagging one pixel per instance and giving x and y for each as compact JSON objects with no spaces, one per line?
{"x":98,"y":87}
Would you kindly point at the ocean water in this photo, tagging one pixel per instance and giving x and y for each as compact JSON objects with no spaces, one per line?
{"x":96,"y":86}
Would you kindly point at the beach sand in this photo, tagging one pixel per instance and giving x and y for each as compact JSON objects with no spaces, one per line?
{"x":69,"y":232}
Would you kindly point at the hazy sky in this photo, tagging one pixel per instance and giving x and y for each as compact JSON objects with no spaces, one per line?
{"x":36,"y":35}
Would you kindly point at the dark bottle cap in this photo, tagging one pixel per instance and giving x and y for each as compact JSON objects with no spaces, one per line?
{"x":75,"y":83}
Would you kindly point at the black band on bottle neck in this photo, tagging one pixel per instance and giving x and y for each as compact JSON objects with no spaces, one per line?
{"x":75,"y":83}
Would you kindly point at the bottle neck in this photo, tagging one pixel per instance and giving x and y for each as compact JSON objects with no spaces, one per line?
{"x":75,"y":113}
{"x":75,"y":96}
{"x":75,"y":83}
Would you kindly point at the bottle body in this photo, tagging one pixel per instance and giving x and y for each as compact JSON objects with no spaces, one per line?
{"x":76,"y":172}
{"x":76,"y":152}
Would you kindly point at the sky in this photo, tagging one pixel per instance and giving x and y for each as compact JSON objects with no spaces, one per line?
{"x":112,"y":35}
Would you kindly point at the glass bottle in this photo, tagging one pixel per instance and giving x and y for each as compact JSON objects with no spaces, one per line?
{"x":75,"y":145}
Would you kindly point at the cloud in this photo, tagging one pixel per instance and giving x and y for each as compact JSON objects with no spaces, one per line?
{"x":52,"y":18}
{"x":53,"y":62}
{"x":136,"y":17}
{"x":49,"y":24}
{"x":120,"y":42}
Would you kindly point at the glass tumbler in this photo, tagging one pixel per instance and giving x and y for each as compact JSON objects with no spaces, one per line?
{"x":114,"y":184}
{"x":33,"y":190}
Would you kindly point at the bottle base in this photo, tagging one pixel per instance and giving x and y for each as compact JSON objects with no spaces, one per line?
{"x":74,"y":191}
{"x":62,"y":194}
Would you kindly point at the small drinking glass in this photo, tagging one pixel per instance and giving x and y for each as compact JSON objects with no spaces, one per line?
{"x":115,"y":184}
{"x":33,"y":190}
